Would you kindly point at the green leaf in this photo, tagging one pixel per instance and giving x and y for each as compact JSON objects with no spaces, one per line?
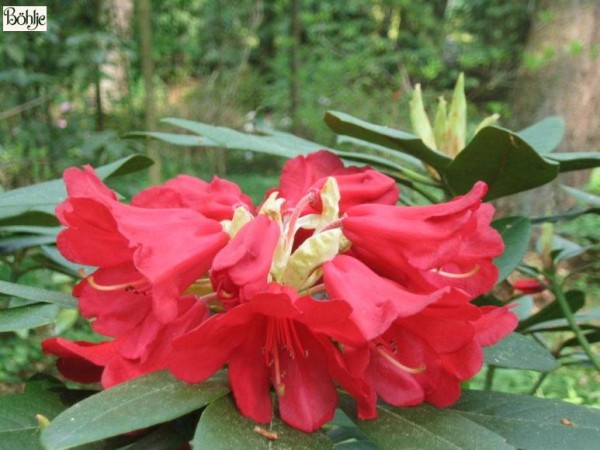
{"x":515,"y":232}
{"x":222,"y":426}
{"x":545,"y":135}
{"x":272,"y":142}
{"x":28,"y":316}
{"x":424,"y":427}
{"x":34,"y":205}
{"x":583,"y":318}
{"x":348,"y":125}
{"x":576,"y":300}
{"x":37,"y":294}
{"x":172,"y":435}
{"x":12,"y":244}
{"x":390,"y":155}
{"x":532,"y":423}
{"x":130,"y":406}
{"x":503,"y":160}
{"x":184,"y":140}
{"x":516,"y":351}
{"x":586,"y":197}
{"x":570,"y":161}
{"x":19,"y":427}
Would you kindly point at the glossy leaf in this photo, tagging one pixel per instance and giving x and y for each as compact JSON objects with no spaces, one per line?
{"x":272,"y":142}
{"x":37,"y":294}
{"x":19,"y":427}
{"x":35,"y":204}
{"x":503,"y":160}
{"x":552,"y":311}
{"x":424,"y":427}
{"x":586,"y":197}
{"x":545,"y":135}
{"x":570,"y":161}
{"x":390,"y":155}
{"x":348,"y":125}
{"x":516,"y":351}
{"x":130,"y":406}
{"x":532,"y":423}
{"x":221,"y":426}
{"x":14,"y":243}
{"x":28,"y":316}
{"x":185,"y":140}
{"x":583,"y":319}
{"x":515,"y":232}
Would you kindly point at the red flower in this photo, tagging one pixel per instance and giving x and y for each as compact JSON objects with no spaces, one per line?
{"x":357,"y":185}
{"x":528,"y":285}
{"x":425,"y":357}
{"x":170,"y":248}
{"x":111,"y":362}
{"x":215,"y":200}
{"x":376,"y":301}
{"x":241,"y":268}
{"x":278,"y":339}
{"x":429,"y":247}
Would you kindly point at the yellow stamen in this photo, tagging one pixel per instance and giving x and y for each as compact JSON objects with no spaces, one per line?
{"x":114,"y":287}
{"x":414,"y":370}
{"x":468,"y":274}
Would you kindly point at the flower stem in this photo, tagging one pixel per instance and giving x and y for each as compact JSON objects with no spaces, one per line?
{"x":566,"y":308}
{"x":538,"y":383}
{"x":489,"y":378}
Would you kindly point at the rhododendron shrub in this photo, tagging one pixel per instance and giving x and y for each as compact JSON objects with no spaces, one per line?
{"x":326,"y":285}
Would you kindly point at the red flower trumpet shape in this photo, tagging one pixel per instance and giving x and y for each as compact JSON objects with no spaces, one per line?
{"x":276,"y":339}
{"x":115,"y":361}
{"x":426,"y":356}
{"x":170,"y":248}
{"x":427,"y":248}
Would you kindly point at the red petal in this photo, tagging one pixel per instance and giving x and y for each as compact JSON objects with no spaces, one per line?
{"x":310,"y":397}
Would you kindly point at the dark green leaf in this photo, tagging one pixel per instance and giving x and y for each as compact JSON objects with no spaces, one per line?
{"x":28,"y":316}
{"x":18,"y":424}
{"x":516,"y":351}
{"x":169,"y":436}
{"x":515,"y":232}
{"x":12,"y":244}
{"x":34,"y":205}
{"x":348,"y":125}
{"x":576,"y":300}
{"x":592,"y":337}
{"x":586,"y":197}
{"x":545,"y":135}
{"x":532,"y":423}
{"x":380,"y":150}
{"x":37,"y":294}
{"x":524,"y":306}
{"x":185,"y":140}
{"x":130,"y":406}
{"x":570,"y":161}
{"x":583,"y":319}
{"x":563,"y":249}
{"x":346,"y":435}
{"x":503,"y":160}
{"x":424,"y":427}
{"x":221,"y":426}
{"x":273,"y":143}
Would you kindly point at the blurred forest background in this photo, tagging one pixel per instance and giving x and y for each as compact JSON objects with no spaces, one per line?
{"x":108,"y":67}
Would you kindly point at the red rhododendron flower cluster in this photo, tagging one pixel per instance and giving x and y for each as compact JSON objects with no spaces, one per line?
{"x":327,"y":284}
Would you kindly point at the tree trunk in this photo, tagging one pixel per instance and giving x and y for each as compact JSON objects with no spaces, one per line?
{"x":559,"y":76}
{"x":145,"y":23}
{"x":114,"y":86}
